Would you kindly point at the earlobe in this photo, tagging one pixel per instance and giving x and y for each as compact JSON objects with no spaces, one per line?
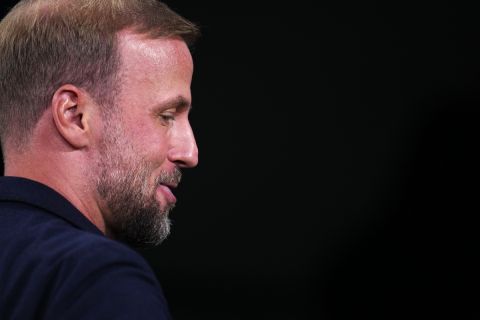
{"x":70,"y":109}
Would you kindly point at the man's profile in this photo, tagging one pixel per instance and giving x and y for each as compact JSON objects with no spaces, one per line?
{"x":94,"y":104}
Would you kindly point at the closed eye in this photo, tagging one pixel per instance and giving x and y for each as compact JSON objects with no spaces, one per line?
{"x":167,"y":118}
{"x":168,"y":111}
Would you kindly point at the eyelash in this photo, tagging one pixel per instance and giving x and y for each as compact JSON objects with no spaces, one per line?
{"x":167,"y":117}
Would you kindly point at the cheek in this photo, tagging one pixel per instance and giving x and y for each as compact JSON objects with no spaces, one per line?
{"x":150,"y":143}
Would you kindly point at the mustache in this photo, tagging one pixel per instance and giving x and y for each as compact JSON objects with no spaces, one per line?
{"x":169,"y":178}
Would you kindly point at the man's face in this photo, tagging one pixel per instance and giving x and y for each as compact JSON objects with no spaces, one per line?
{"x":146,"y":140}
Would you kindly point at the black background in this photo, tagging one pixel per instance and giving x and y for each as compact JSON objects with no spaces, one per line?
{"x":338,"y":174}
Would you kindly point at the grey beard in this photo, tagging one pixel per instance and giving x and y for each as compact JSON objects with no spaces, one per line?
{"x":134,"y":215}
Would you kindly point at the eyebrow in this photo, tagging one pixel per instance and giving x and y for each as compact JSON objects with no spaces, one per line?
{"x":178,"y":102}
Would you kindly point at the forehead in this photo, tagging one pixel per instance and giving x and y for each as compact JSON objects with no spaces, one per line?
{"x":141,"y":55}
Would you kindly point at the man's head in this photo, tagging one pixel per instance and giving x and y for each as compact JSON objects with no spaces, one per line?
{"x":141,"y":150}
{"x":47,"y":43}
{"x":110,"y":80}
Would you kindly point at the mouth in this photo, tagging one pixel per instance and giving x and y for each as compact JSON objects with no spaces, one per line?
{"x":166,"y":182}
{"x":164,"y":192}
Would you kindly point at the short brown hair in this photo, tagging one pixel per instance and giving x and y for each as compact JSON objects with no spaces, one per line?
{"x":47,"y":43}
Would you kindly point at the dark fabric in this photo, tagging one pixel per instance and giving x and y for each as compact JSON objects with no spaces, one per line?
{"x":55,"y":264}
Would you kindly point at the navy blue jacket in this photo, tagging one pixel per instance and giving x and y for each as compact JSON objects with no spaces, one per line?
{"x":55,"y":264}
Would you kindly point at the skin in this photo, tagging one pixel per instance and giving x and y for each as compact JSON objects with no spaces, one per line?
{"x":148,"y":131}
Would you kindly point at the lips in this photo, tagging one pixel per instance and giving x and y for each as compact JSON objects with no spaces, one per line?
{"x":166,"y":193}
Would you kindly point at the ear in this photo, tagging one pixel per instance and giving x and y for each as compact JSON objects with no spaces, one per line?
{"x":71,"y":109}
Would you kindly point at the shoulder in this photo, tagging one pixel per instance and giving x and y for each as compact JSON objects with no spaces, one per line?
{"x":99,"y":272}
{"x":47,"y":238}
{"x":51,"y":240}
{"x":63,"y":272}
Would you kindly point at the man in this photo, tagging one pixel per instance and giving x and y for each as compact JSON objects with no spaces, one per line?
{"x":94,"y":104}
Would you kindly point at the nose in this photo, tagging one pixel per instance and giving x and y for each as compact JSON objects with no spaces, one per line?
{"x":183,"y":151}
